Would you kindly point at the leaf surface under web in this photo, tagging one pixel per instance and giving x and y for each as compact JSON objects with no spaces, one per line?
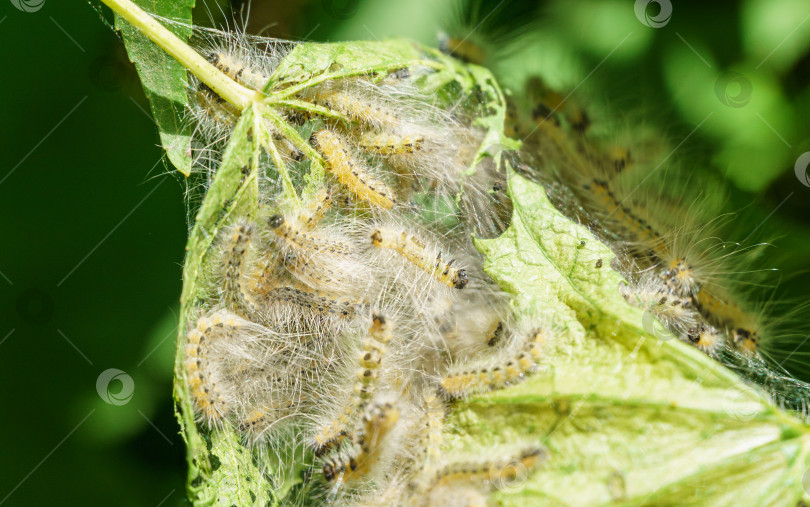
{"x":629,"y":419}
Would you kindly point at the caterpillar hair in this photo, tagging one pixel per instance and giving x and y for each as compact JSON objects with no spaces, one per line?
{"x":416,"y":251}
{"x":348,"y":171}
{"x":367,"y":447}
{"x":509,"y":367}
{"x":370,"y":360}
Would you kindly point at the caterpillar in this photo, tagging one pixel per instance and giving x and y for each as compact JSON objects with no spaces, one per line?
{"x":290,"y":235}
{"x":504,"y":470}
{"x":350,"y":174}
{"x":416,"y":251}
{"x":221,"y":113}
{"x":353,"y":105}
{"x":377,"y":423}
{"x":316,"y":209}
{"x":676,"y":262}
{"x":239,"y":71}
{"x":390,"y":144}
{"x":200,"y":376}
{"x":370,"y":361}
{"x":236,"y":248}
{"x":493,"y":374}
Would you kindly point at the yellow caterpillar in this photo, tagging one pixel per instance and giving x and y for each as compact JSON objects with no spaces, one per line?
{"x":495,"y":374}
{"x":208,"y":399}
{"x":390,"y":144}
{"x":354,"y":106}
{"x":415,"y":251}
{"x":370,"y":361}
{"x":238,"y":242}
{"x":377,"y":422}
{"x":496,"y":471}
{"x":350,"y":174}
{"x":236,"y":70}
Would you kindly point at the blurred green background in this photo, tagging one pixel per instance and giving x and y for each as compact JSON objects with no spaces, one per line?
{"x":95,"y":221}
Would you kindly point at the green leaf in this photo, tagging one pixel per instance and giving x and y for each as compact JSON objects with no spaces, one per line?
{"x":220,"y":468}
{"x":313,"y":63}
{"x":164,"y":80}
{"x":628,"y":419}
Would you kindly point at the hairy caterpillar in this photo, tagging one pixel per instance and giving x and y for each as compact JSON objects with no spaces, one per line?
{"x":208,"y":397}
{"x":239,"y":71}
{"x":668,"y":260}
{"x":495,"y":373}
{"x":370,"y":360}
{"x":464,"y":482}
{"x":490,"y":471}
{"x":416,"y":252}
{"x":665,"y":226}
{"x":353,"y":105}
{"x":365,"y":450}
{"x":390,"y":144}
{"x":348,"y":171}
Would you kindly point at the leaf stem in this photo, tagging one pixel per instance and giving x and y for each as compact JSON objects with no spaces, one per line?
{"x":287,"y":131}
{"x":289,"y":187}
{"x":333,"y":76}
{"x":309,"y":107}
{"x":221,"y":84}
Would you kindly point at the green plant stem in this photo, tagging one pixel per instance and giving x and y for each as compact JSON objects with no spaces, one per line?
{"x":289,"y":187}
{"x":287,"y":131}
{"x":236,"y":94}
{"x":333,"y":76}
{"x":301,"y":105}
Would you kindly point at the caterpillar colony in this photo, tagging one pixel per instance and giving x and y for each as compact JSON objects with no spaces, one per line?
{"x":666,"y":237}
{"x":347,"y":316}
{"x":350,"y":311}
